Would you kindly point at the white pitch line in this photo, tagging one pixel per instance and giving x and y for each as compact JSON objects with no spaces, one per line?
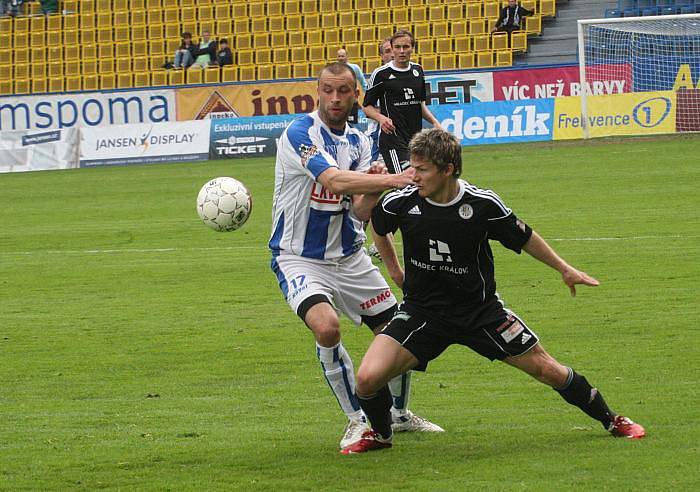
{"x":250,"y":248}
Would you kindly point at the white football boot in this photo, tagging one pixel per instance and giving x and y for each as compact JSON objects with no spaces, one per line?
{"x":353,"y":432}
{"x":410,"y":422}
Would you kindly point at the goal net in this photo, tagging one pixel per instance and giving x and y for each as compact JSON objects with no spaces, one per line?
{"x":650,"y":54}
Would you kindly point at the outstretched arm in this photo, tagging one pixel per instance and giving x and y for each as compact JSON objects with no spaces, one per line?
{"x":539,"y":249}
{"x":428,"y":116}
{"x":385,"y":246}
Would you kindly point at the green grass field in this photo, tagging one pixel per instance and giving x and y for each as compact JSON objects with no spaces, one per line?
{"x":141,"y":350}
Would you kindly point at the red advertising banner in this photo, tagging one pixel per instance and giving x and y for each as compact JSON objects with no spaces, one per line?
{"x":540,"y":83}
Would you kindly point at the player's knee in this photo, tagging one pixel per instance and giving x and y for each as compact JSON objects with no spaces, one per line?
{"x":367,"y":381}
{"x":328,"y":334}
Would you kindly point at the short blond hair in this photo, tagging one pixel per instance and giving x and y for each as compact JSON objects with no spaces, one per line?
{"x":438,"y":147}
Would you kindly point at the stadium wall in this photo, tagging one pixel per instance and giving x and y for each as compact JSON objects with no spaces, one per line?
{"x":240,"y":120}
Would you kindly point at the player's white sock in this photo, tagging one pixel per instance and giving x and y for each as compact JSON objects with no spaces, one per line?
{"x":340,"y":374}
{"x":400,"y":388}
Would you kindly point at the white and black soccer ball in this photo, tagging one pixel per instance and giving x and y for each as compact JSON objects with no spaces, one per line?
{"x":224,"y":204}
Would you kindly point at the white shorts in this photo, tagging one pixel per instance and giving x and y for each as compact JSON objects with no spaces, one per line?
{"x":353,"y":284}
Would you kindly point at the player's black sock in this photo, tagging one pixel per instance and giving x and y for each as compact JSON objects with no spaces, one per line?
{"x":377,"y":407}
{"x":580,"y":393}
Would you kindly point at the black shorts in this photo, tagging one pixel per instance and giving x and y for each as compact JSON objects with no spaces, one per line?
{"x":495,"y":333}
{"x":395,"y":159}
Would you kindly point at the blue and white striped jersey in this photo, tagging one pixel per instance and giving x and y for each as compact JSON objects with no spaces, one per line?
{"x":307,"y":219}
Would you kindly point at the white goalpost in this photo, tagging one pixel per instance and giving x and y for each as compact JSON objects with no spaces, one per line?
{"x":651,"y":54}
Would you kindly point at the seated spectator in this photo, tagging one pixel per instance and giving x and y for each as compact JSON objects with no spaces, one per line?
{"x":511,"y":17}
{"x":12,"y":8}
{"x":224,"y":55}
{"x":205,"y":54}
{"x":184,"y":56}
{"x":49,"y":6}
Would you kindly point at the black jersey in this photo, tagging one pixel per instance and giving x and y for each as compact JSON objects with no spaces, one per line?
{"x":447,"y":258}
{"x":399,"y":93}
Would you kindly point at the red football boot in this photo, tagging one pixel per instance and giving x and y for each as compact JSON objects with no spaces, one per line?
{"x":624,"y":427}
{"x":371,"y":441}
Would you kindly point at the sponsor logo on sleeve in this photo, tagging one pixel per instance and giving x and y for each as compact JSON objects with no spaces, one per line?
{"x":307,"y":153}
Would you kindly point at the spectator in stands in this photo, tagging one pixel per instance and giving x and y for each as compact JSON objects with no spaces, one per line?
{"x":386,"y":53}
{"x":49,"y":6}
{"x":511,"y":17}
{"x":184,"y":56}
{"x":224,"y":55}
{"x":343,"y":58}
{"x":12,"y":8}
{"x":205,"y":54}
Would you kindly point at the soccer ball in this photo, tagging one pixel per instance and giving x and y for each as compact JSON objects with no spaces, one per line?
{"x":224,"y":204}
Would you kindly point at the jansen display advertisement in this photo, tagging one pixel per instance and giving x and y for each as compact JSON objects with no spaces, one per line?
{"x":141,"y":144}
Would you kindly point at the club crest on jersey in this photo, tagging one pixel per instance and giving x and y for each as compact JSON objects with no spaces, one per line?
{"x":307,"y":152}
{"x":466,"y":211}
{"x":415,"y":73}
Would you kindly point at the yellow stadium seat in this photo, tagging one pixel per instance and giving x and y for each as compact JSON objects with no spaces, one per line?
{"x":382,"y":17}
{"x":21,"y":70}
{"x":448,"y":61}
{"x":473,"y":10}
{"x":38,"y":70}
{"x":316,"y":67}
{"x":244,"y":41}
{"x":103,"y":6}
{"x":349,"y":35}
{"x":138,"y":33}
{"x":308,"y":6}
{"x":262,"y":57}
{"x":89,"y":67}
{"x":105,"y":51}
{"x":314,"y":37}
{"x":156,"y":47}
{"x":171,"y":45}
{"x":142,"y":79}
{"x":104,"y":19}
{"x":70,"y":5}
{"x":518,"y":41}
{"x":465,"y":60}
{"x":153,"y":4}
{"x":346,"y":19}
{"x":229,"y":73}
{"x":372,"y":64}
{"x":121,"y":5}
{"x":365,"y":18}
{"x":88,"y":51}
{"x":258,"y":24}
{"x":296,"y":39}
{"x":6,"y":87}
{"x":326,"y":5}
{"x":278,"y":39}
{"x":499,"y":41}
{"x":54,"y":38}
{"x":188,"y":14}
{"x":436,"y":13}
{"x":122,"y":50}
{"x":331,"y":36}
{"x":194,"y":75}
{"x":400,"y":16}
{"x":425,"y":46}
{"x":245,"y":57}
{"x":123,"y":64}
{"x":477,"y":26}
{"x":484,"y":59}
{"x":125,"y":80}
{"x":300,"y":70}
{"x":298,"y":54}
{"x":363,"y":4}
{"x":55,"y":70}
{"x":246,"y":73}
{"x":156,"y":31}
{"x":138,"y":18}
{"x":56,"y":84}
{"x":87,"y":21}
{"x":354,"y":50}
{"x":37,"y":38}
{"x":329,"y":20}
{"x":397,"y":3}
{"x":443,"y":45}
{"x":105,"y":35}
{"x":87,"y":6}
{"x":22,"y":40}
{"x":492,"y":9}
{"x":139,"y":48}
{"x":137,"y":4}
{"x":459,"y":28}
{"x":38,"y":56}
{"x":21,"y":24}
{"x":212,"y":75}
{"x":440,"y":29}
{"x":419,"y":13}
{"x":91,"y":82}
{"x":223,"y":28}
{"x":5,"y":24}
{"x":71,"y":67}
{"x":533,"y":24}
{"x":222,"y":11}
{"x":481,"y":42}
{"x":385,"y":31}
{"x":241,"y":25}
{"x":172,"y":17}
{"x":265,"y":72}
{"x":71,"y":52}
{"x":55,"y":53}
{"x":291,"y":7}
{"x":504,"y":58}
{"x":548,"y":8}
{"x":280,"y":55}
{"x":88,"y":36}
{"x":121,"y":19}
{"x":160,"y":78}
{"x":22,"y":86}
{"x":462,"y":44}
{"x":342,"y":5}
{"x":155,"y":17}
{"x":122,"y":34}
{"x":37,"y":23}
{"x":106,"y":65}
{"x":455,"y":12}
{"x":283,"y":72}
{"x":176,"y":77}
{"x":429,"y":62}
{"x":368,"y":33}
{"x":317,"y":53}
{"x":369,"y":50}
{"x":39,"y":84}
{"x":74,"y":83}
{"x":22,"y":56}
{"x":239,"y":10}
